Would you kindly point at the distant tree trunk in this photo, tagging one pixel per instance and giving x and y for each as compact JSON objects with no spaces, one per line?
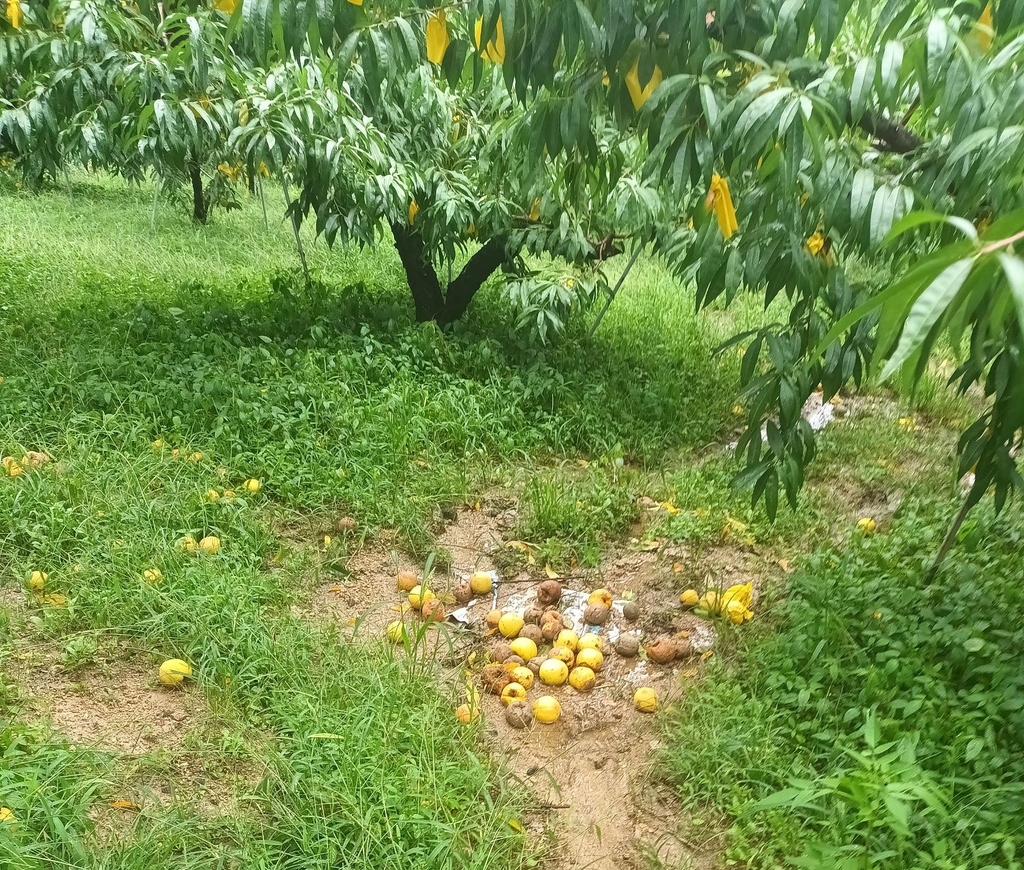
{"x":200,"y":208}
{"x":430,"y":301}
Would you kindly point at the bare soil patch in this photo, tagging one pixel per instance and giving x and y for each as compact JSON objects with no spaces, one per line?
{"x":589,"y":772}
{"x":115,"y":703}
{"x":362,"y":603}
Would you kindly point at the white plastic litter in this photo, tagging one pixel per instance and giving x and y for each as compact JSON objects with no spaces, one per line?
{"x":818,"y":414}
{"x":571,"y":605}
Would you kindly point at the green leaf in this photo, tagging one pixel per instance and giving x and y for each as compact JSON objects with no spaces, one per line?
{"x":886,"y":208}
{"x":937,"y":49}
{"x":760,"y":109}
{"x":861,"y":192}
{"x":860,"y":90}
{"x":590,"y":30}
{"x":827,"y":21}
{"x":508,"y":19}
{"x":888,"y":17}
{"x":710,"y":105}
{"x":927,"y":310}
{"x":889,"y":68}
{"x":974,"y":749}
{"x":256,"y":16}
{"x":917,"y":218}
{"x":1013,"y":268}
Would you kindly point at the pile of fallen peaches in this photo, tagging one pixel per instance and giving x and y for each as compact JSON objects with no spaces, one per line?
{"x":542,"y":648}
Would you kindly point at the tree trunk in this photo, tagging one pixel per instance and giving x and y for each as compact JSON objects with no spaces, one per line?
{"x":970,"y":500}
{"x":430,"y":301}
{"x":462,"y":290}
{"x":200,"y":209}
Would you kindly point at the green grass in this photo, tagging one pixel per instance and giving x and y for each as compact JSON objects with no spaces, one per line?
{"x":397,"y":784}
{"x":336,"y":396}
{"x":116,"y":335}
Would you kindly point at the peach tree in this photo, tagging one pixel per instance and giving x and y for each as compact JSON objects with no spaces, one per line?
{"x":858,"y":167}
{"x":774,"y":147}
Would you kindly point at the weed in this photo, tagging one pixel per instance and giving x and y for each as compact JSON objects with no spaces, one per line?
{"x":570,"y":517}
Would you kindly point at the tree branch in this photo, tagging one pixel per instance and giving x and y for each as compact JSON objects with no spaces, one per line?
{"x":892,"y":136}
{"x":431,"y":303}
{"x":462,"y":290}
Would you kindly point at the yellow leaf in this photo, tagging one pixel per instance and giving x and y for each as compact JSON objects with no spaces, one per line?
{"x":733,"y":525}
{"x":815,"y":242}
{"x":495,"y":51}
{"x":535,"y":210}
{"x":515,"y":826}
{"x":670,"y":508}
{"x":414,"y":210}
{"x":640,"y":95}
{"x":14,"y":13}
{"x":225,"y":6}
{"x":706,"y":655}
{"x":356,"y":2}
{"x":983,"y":30}
{"x":437,"y":37}
{"x":742,"y":593}
{"x":323,"y":735}
{"x":551,"y":572}
{"x":335,"y":589}
{"x":720,"y":200}
{"x":124,"y":805}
